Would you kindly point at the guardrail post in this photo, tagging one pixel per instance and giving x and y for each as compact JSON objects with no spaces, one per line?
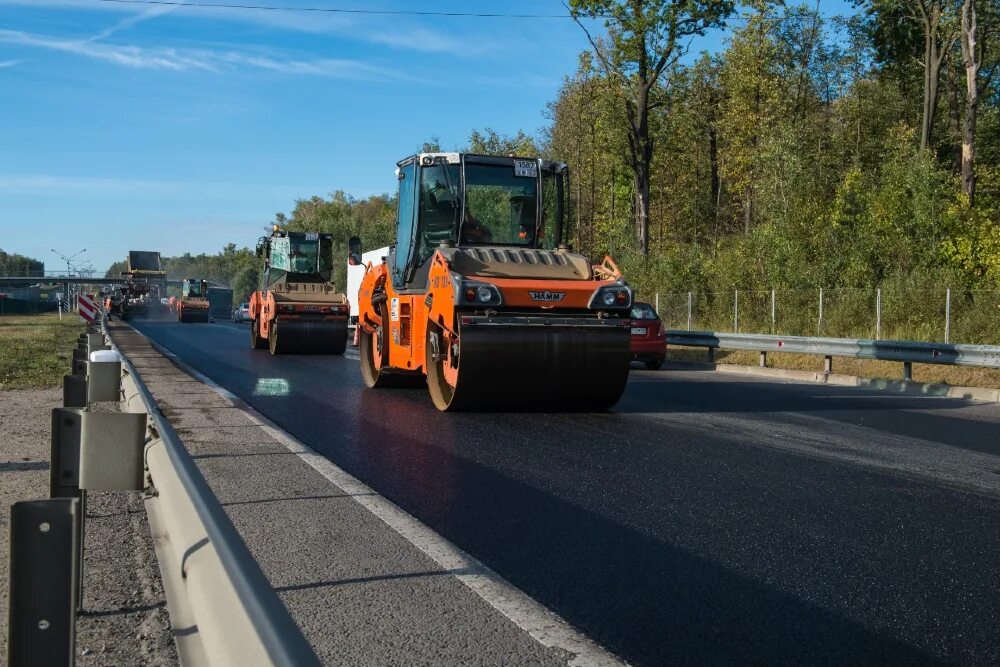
{"x":763,"y":359}
{"x":907,"y":371}
{"x":689,"y":311}
{"x":828,"y":364}
{"x":44,"y":541}
{"x":64,"y":475}
{"x":103,"y":381}
{"x":711,"y":355}
{"x":74,"y":391}
{"x":947,"y":315}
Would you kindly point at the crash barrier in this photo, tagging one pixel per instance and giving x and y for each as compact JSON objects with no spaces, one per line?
{"x":907,"y":352}
{"x":222,"y":608}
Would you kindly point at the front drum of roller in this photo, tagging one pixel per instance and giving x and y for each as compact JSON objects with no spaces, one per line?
{"x":536,"y":368}
{"x":312,"y":336}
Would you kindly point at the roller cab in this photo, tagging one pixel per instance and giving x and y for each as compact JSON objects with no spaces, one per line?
{"x":298,"y":309}
{"x":193,"y":304}
{"x":479,"y":297}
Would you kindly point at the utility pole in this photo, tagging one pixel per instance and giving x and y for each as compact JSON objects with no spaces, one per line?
{"x":69,"y":260}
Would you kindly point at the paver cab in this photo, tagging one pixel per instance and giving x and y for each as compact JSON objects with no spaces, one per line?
{"x":480,"y":295}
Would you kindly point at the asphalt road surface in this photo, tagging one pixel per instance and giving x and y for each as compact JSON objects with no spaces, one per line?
{"x":707,"y":518}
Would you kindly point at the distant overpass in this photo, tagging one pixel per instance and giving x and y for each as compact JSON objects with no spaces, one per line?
{"x":23,"y":281}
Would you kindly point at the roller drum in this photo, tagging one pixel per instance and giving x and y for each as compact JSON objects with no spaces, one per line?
{"x":190,"y":315}
{"x":540,"y":368}
{"x":311,"y":336}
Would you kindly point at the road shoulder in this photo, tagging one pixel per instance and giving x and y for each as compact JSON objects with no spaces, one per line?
{"x":361,"y":590}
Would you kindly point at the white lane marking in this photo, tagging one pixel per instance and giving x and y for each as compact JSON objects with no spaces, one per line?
{"x":544,"y":626}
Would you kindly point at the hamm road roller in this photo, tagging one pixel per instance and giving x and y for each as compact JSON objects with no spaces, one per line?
{"x":479,"y":295}
{"x":193,"y":304}
{"x":298,"y":309}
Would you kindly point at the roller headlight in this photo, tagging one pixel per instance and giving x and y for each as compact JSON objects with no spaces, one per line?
{"x":614,"y":297}
{"x":479,"y":294}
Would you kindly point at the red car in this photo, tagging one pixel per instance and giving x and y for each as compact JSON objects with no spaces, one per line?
{"x":649,"y":340}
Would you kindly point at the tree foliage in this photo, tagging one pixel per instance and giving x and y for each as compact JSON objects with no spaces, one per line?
{"x":12,"y":264}
{"x":790,"y":159}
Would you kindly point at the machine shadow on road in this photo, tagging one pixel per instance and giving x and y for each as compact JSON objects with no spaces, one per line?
{"x":649,"y":601}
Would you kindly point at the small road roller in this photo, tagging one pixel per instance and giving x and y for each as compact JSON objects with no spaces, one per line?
{"x":193,"y":304}
{"x":298,"y":309}
{"x":480,"y":297}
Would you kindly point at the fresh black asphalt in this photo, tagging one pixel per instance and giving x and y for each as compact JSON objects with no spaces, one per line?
{"x":707,"y":518}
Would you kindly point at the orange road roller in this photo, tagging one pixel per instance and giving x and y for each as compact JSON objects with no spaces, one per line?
{"x":479,"y":295}
{"x":193,"y":304}
{"x":298,"y":309}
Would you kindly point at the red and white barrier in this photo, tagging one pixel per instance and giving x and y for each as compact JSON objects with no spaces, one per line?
{"x":87,"y":307}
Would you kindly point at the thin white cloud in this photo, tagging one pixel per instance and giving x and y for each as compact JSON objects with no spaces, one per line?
{"x":129,"y":21}
{"x":122,"y":188}
{"x":127,"y":56}
{"x":9,"y":63}
{"x":168,"y":58}
{"x":48,"y":184}
{"x":403,"y":32}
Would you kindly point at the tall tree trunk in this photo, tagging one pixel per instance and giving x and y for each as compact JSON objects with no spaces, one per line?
{"x":954,"y":120}
{"x":925,"y":122}
{"x":936,"y":47}
{"x":713,"y":161}
{"x":971,"y":60}
{"x":642,"y":207}
{"x":641,"y":147}
{"x":747,"y":209}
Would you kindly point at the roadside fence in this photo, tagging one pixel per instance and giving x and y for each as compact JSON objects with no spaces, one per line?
{"x":929,"y":315}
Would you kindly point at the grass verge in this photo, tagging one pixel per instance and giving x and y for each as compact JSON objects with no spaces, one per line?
{"x":36,"y":350}
{"x":957,"y":376}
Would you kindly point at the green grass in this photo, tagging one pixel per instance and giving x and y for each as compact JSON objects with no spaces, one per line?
{"x":36,"y":350}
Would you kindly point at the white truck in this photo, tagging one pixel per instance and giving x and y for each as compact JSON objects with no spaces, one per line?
{"x":356,"y":273}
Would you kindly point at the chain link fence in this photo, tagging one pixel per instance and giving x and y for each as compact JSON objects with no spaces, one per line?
{"x":932,"y":314}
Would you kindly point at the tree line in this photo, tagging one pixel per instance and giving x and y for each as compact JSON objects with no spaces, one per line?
{"x":810,"y":151}
{"x":12,"y":264}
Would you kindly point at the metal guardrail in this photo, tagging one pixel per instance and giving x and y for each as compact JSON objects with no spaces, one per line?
{"x":212,"y":580}
{"x":907,"y":352}
{"x":223,"y":610}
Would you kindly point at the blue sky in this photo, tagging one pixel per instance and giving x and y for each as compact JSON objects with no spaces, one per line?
{"x":180,"y":130}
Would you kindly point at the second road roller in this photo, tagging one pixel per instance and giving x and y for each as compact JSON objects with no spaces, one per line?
{"x":480,"y":296}
{"x":193,"y":304}
{"x":298,"y":309}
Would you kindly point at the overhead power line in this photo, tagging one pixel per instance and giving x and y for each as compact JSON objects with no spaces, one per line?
{"x":336,"y":10}
{"x":739,"y":18}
